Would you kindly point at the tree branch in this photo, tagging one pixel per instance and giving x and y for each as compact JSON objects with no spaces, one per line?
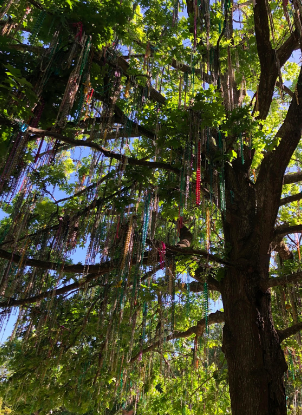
{"x":102,"y":269}
{"x":213,"y":318}
{"x":286,"y":49}
{"x":185,"y":237}
{"x":86,"y":189}
{"x":36,"y":4}
{"x":22,"y":47}
{"x":269,"y":58}
{"x":60,"y":291}
{"x":48,"y":265}
{"x":292,"y":178}
{"x":198,"y":252}
{"x":122,"y":132}
{"x":286,"y":279}
{"x":107,"y":153}
{"x":131,"y":125}
{"x":203,"y":274}
{"x":198,"y":286}
{"x":188,"y":69}
{"x":93,"y":204}
{"x":179,"y":66}
{"x":289,"y":331}
{"x":125,"y":66}
{"x":266,"y":55}
{"x":279,"y":246}
{"x":285,"y":89}
{"x":281,"y":230}
{"x":289,"y":133}
{"x":289,"y":199}
{"x":270,"y":178}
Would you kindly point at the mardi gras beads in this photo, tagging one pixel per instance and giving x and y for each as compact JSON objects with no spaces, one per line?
{"x":37,"y":26}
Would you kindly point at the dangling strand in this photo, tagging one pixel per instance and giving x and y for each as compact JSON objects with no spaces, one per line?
{"x":298,"y":246}
{"x":37,"y":26}
{"x":198,"y":173}
{"x":208,"y":229}
{"x":127,"y":243}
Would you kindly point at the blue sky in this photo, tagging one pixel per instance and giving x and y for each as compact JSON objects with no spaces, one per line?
{"x":80,"y":253}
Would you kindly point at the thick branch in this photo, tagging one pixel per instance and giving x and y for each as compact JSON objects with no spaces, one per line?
{"x":132,"y":126}
{"x":203,"y":274}
{"x":185,"y":238}
{"x":289,"y":199}
{"x":48,"y":265}
{"x":269,"y":58}
{"x":292,"y":178}
{"x":285,"y":50}
{"x":281,"y":230}
{"x":125,"y":66}
{"x":272,"y":169}
{"x":213,"y":318}
{"x":29,"y":48}
{"x":266,"y":55}
{"x":289,"y":132}
{"x":286,"y":279}
{"x":290,"y":331}
{"x":198,"y":252}
{"x":190,"y":6}
{"x":188,"y":69}
{"x":198,"y":286}
{"x":279,"y":246}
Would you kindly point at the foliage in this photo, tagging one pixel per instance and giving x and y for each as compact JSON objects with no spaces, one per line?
{"x":120,"y":122}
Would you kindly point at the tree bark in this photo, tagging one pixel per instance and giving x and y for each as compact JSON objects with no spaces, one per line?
{"x":256,"y":363}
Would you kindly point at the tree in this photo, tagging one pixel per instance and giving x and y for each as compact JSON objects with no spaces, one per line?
{"x":165,"y":145}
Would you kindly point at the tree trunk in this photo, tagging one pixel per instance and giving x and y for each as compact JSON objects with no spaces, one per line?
{"x":256,"y":363}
